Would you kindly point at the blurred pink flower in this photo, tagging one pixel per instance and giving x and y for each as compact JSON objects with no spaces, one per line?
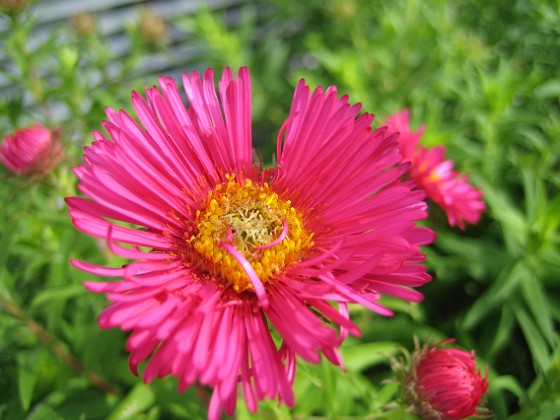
{"x":224,"y":250}
{"x":450,"y":190}
{"x":33,"y":150}
{"x":444,"y":384}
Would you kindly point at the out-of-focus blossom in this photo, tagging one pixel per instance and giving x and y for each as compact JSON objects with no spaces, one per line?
{"x":83,"y":23}
{"x":442,"y":383}
{"x":32,"y":150}
{"x":152,"y":26}
{"x":224,"y":250}
{"x":450,"y":190}
{"x":13,"y":6}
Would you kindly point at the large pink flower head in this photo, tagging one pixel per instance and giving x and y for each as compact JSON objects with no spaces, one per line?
{"x":450,"y":190}
{"x":31,"y":150}
{"x":223,"y":249}
{"x":443,"y":383}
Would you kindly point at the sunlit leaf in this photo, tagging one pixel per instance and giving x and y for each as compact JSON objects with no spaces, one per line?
{"x":361,"y":356}
{"x":138,"y":401}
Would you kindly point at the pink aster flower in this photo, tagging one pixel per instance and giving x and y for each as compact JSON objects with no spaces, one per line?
{"x":223,"y":250}
{"x":443,"y":384}
{"x":450,"y":190}
{"x":33,"y":150}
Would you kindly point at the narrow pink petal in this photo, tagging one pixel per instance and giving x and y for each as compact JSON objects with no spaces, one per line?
{"x":98,"y":270}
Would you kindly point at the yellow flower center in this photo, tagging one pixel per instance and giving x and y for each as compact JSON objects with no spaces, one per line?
{"x":245,"y":229}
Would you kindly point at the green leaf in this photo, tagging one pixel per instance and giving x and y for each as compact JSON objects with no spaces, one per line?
{"x":509,"y":383}
{"x":507,"y":282}
{"x":546,"y":411}
{"x":362,"y":356}
{"x":26,"y":383}
{"x":386,"y":394}
{"x":537,"y":346}
{"x":549,"y":89}
{"x":539,"y":305}
{"x":57,"y":293}
{"x":503,"y":334}
{"x":513,"y":221}
{"x":138,"y":400}
{"x":551,"y":216}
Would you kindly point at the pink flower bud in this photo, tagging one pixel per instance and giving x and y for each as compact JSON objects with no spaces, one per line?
{"x":443,"y":384}
{"x":32,"y":150}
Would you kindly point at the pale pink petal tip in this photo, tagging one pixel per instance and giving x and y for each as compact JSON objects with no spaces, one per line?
{"x":462,"y":202}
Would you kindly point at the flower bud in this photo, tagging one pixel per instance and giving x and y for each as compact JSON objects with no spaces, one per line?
{"x":13,"y":6}
{"x":449,"y":189}
{"x":83,"y":24}
{"x":152,"y":26}
{"x":443,"y":383}
{"x":33,"y":150}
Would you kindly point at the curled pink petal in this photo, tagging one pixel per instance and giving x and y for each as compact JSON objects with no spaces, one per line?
{"x":257,"y":284}
{"x":278,"y":240}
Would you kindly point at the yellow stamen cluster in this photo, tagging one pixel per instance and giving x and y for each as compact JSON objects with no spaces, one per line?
{"x":249,"y":217}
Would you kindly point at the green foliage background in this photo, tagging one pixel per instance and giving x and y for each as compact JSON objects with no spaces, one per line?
{"x":482,"y":76}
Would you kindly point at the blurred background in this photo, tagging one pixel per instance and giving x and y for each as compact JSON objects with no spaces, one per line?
{"x":482,"y":77}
